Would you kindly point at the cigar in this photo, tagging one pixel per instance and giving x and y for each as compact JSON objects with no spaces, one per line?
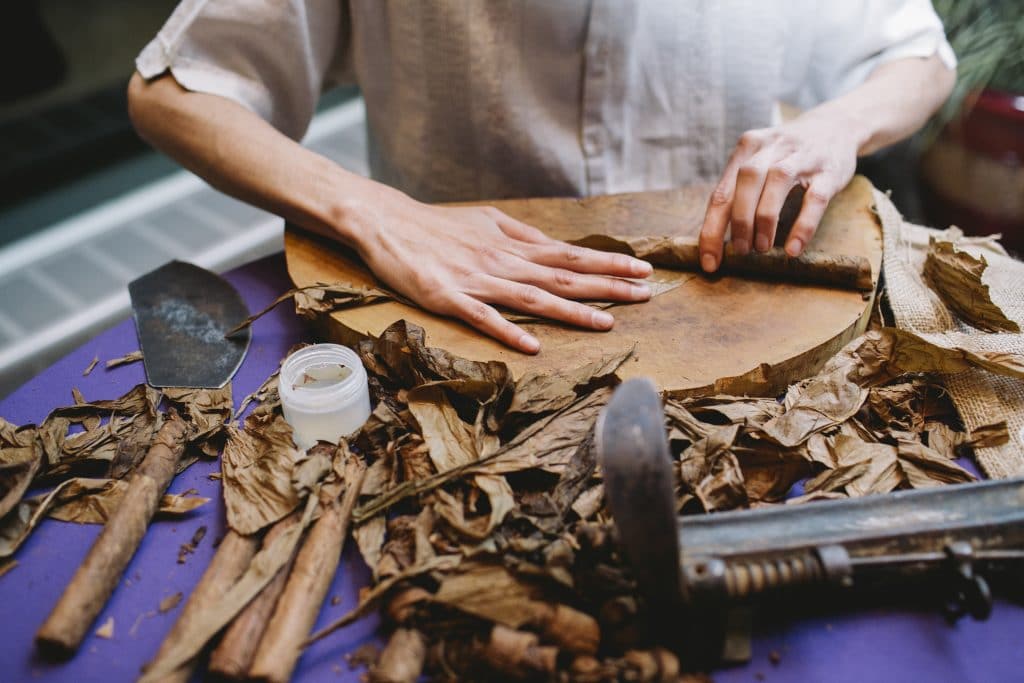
{"x":311,"y":576}
{"x":96,"y":578}
{"x":233,"y":656}
{"x":402,"y":659}
{"x":683,"y":253}
{"x":231,"y":560}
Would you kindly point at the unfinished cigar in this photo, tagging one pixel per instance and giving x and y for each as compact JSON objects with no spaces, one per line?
{"x":402,"y":659}
{"x":231,"y":560}
{"x":311,"y":576}
{"x":233,"y":656}
{"x":682,"y":253}
{"x":96,"y":578}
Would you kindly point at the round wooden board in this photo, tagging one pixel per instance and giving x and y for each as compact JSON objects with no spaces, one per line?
{"x":726,"y":334}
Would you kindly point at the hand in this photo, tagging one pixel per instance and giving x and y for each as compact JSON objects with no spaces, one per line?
{"x":458,"y":260}
{"x":816,"y":150}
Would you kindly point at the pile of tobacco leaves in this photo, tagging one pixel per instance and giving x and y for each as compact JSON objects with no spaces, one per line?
{"x":480,"y":507}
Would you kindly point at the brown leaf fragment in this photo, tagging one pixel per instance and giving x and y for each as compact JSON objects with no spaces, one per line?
{"x":537,"y":393}
{"x":925,"y":468}
{"x":363,"y":656}
{"x":208,"y":411}
{"x":169,"y":602}
{"x":709,"y":470}
{"x":91,"y":366}
{"x":106,"y":631}
{"x":257,"y":467}
{"x":956,"y":276}
{"x":987,"y":436}
{"x":92,"y":501}
{"x":187,"y":549}
{"x":133,"y":357}
{"x":369,"y":538}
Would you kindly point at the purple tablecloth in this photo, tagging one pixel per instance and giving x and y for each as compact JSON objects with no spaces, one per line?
{"x":866,"y":644}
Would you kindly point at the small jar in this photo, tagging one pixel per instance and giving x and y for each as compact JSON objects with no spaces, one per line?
{"x":324,"y":394}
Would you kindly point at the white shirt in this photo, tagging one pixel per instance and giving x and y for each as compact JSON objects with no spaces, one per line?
{"x":473,"y":99}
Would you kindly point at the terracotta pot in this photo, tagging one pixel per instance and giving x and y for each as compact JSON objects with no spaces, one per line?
{"x":973,"y":174}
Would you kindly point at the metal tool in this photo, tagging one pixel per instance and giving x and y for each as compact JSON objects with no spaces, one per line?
{"x":182,"y":313}
{"x":950,"y":538}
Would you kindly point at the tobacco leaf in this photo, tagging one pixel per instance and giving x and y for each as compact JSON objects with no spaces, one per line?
{"x":208,"y":412}
{"x":321,"y":298}
{"x":655,"y":284}
{"x":491,"y":592}
{"x":923,"y":467}
{"x":91,"y":366}
{"x":257,"y":466}
{"x":710,"y":471}
{"x":91,"y":501}
{"x":369,"y":538}
{"x":956,"y":276}
{"x":20,"y":459}
{"x":538,"y":393}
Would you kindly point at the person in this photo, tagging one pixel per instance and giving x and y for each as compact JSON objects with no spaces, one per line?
{"x":487,"y":99}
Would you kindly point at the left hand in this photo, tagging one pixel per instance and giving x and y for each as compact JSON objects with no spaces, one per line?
{"x":816,"y":150}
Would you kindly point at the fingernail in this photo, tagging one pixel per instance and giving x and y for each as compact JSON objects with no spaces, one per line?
{"x":641,"y":291}
{"x":761,"y":242}
{"x":794,"y":247}
{"x":602,"y":320}
{"x":741,"y":247}
{"x":529,"y":343}
{"x":641,"y":268}
{"x":708,"y":262}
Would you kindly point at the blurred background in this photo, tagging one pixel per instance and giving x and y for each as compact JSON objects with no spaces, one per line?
{"x":85,"y":206}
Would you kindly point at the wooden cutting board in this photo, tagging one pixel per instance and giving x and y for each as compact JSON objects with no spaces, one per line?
{"x":707,"y":335}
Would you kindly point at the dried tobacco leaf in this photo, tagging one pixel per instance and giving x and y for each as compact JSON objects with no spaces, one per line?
{"x":91,"y":501}
{"x":257,"y":467}
{"x":538,"y":393}
{"x":956,"y":276}
{"x":20,"y":459}
{"x":208,"y":411}
{"x":710,"y":471}
{"x":169,"y":602}
{"x":322,"y":298}
{"x":91,"y":366}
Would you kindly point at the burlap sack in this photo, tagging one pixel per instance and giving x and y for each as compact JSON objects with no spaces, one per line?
{"x":981,"y":398}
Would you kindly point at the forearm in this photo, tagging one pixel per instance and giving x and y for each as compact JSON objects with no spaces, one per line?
{"x":239,"y":153}
{"x":894,"y":102}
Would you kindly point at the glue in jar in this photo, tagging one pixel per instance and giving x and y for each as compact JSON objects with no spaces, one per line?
{"x":324,"y":394}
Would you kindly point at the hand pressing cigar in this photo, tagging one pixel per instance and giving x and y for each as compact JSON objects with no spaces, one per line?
{"x":96,"y":578}
{"x":683,"y":253}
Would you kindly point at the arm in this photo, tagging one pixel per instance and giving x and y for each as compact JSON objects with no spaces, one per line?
{"x":817,"y":150}
{"x":453,"y":261}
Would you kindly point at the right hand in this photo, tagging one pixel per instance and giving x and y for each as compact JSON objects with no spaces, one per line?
{"x":457,"y":261}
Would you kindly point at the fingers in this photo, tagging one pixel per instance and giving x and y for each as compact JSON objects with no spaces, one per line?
{"x":534,"y":300}
{"x":519,"y":230}
{"x":816,"y":200}
{"x":486,"y":319}
{"x":572,"y":285}
{"x":583,"y":260}
{"x":750,"y":182}
{"x":720,"y":205}
{"x":779,"y":180}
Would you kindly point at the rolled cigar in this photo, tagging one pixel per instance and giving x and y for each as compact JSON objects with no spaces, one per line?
{"x":311,"y":576}
{"x":231,"y":560}
{"x":682,"y":253}
{"x":234,"y":654}
{"x":402,"y":659}
{"x":96,"y":578}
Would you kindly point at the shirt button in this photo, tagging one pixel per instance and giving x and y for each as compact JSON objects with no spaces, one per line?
{"x":592,"y":142}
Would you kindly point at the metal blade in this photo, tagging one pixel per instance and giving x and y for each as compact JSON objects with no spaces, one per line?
{"x":634,"y":455}
{"x":181,"y":314}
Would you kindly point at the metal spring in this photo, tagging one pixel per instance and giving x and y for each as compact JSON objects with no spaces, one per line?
{"x":747,"y":577}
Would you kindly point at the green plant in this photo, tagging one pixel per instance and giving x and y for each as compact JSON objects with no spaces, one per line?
{"x":988,"y":38}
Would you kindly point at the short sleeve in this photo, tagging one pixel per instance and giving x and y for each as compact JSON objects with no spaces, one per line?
{"x":270,"y":56}
{"x":834,"y":46}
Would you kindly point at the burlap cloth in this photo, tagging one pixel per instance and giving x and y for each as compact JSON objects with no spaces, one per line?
{"x":981,"y":397}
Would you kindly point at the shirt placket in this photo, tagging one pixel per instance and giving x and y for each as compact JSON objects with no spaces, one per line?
{"x":596,"y":72}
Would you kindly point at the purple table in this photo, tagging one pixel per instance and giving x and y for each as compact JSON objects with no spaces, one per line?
{"x":866,"y":644}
